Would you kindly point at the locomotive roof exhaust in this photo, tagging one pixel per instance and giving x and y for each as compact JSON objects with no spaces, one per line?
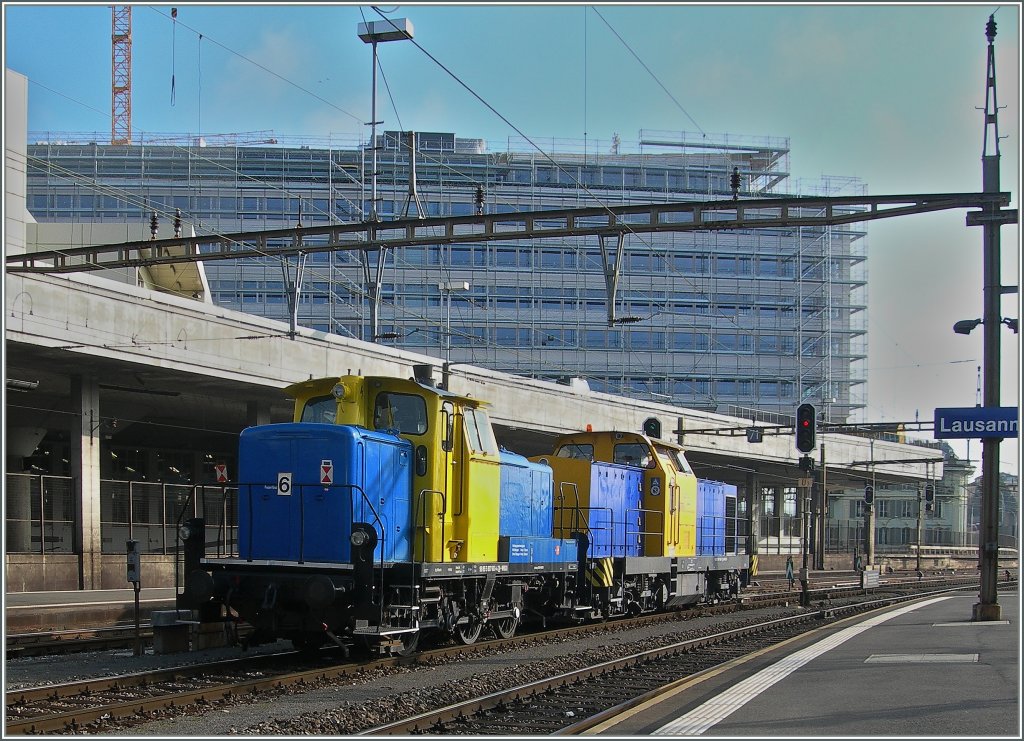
{"x":424,"y":373}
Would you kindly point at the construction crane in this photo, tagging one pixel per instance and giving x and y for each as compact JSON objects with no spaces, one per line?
{"x":121,"y":74}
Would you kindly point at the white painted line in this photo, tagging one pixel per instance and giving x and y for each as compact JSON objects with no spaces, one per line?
{"x":921,"y":658}
{"x":970,"y":623}
{"x":706,"y":716}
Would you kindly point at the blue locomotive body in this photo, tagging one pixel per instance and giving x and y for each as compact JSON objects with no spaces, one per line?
{"x":312,"y":482}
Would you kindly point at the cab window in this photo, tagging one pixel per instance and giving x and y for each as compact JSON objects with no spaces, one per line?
{"x":579,"y":451}
{"x":320,"y":409}
{"x":637,"y":455}
{"x":479,"y":434}
{"x":674,"y":458}
{"x":406,"y":413}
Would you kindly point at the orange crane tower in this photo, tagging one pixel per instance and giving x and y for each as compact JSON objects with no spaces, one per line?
{"x":121,"y":74}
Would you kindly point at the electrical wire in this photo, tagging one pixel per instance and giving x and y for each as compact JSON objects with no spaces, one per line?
{"x":581,"y":186}
{"x":703,"y":294}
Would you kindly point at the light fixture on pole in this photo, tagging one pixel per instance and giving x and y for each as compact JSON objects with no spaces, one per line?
{"x":966,"y":326}
{"x":447,"y":288}
{"x":373,"y":33}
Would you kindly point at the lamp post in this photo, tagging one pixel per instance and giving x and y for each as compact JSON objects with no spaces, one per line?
{"x":373,"y":33}
{"x":447,"y":288}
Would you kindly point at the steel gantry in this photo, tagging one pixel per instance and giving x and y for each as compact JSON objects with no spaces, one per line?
{"x":601,"y":221}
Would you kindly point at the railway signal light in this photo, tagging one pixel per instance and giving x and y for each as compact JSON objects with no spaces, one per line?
{"x":734,"y":182}
{"x":652,"y":427}
{"x":869,"y":494}
{"x":805,"y":427}
{"x":929,"y":497}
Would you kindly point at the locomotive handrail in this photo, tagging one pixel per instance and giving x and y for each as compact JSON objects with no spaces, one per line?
{"x":644,"y":531}
{"x":177,"y":529}
{"x":705,"y":530}
{"x":611,"y":524}
{"x":576,"y":514}
{"x":378,"y":525}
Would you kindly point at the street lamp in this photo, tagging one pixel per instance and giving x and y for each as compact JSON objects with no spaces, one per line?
{"x":447,"y":288}
{"x":373,"y":33}
{"x":966,"y":326}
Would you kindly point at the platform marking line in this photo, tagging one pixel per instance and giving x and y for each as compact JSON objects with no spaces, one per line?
{"x":707,"y":715}
{"x":971,"y":622}
{"x":921,"y":658}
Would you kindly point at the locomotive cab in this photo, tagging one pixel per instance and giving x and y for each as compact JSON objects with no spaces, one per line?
{"x":668,"y":508}
{"x":456,"y":474}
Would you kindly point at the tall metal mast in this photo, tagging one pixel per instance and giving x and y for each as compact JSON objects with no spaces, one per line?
{"x":990,"y":219}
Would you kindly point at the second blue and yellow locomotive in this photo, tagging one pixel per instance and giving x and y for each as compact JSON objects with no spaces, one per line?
{"x":387,"y":510}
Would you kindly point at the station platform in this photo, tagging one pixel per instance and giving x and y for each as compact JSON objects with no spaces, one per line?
{"x":30,"y":611}
{"x":922,"y":669}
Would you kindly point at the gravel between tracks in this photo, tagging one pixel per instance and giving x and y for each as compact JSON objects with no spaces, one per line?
{"x":344,"y":707}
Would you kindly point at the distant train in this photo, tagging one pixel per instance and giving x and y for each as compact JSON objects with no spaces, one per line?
{"x":386,"y":511}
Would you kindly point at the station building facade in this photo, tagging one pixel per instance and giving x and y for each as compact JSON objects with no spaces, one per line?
{"x":749,"y":323}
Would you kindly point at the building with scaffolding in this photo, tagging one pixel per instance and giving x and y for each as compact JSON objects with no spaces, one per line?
{"x":731,"y":320}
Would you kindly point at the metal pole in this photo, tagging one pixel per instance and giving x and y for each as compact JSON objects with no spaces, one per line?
{"x":373,"y":137}
{"x":448,"y":327}
{"x":138,"y":623}
{"x":987,"y":607}
{"x":869,"y":557}
{"x":920,"y":525}
{"x":821,"y":503}
{"x":805,"y":594}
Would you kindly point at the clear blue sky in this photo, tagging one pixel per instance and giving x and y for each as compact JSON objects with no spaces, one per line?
{"x":887,"y":94}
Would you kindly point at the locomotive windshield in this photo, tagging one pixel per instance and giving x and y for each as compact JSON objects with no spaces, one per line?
{"x":479,"y":432}
{"x":406,"y":413}
{"x":637,"y":455}
{"x":579,"y":451}
{"x":320,"y":409}
{"x":674,"y":458}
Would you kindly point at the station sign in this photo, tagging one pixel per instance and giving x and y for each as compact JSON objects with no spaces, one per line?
{"x":975,"y":422}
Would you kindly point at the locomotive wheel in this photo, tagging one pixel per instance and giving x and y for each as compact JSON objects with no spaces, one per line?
{"x":410,"y":641}
{"x":505,"y":627}
{"x":467,"y":633}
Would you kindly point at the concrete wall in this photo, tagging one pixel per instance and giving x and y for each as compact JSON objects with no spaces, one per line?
{"x":30,"y":572}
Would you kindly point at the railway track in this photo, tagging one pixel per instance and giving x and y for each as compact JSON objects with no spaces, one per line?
{"x":573,"y":702}
{"x":93,"y":705}
{"x":101,"y":638}
{"x":48,"y":643}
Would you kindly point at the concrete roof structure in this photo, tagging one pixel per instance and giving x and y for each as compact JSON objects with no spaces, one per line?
{"x":172,"y":362}
{"x":166,"y":366}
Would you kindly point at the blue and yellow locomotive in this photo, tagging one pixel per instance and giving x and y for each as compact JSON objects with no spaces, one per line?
{"x":386,"y":510}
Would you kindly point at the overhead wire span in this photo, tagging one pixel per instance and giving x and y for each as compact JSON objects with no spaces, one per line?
{"x":581,"y":186}
{"x":672,"y":270}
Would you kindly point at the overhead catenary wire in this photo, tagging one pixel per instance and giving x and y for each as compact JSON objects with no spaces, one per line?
{"x":700,"y":358}
{"x":685,"y":278}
